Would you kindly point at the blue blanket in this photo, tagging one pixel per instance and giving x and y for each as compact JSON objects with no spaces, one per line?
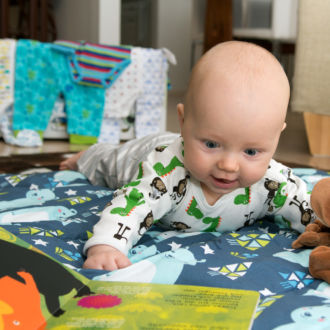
{"x":56,"y":211}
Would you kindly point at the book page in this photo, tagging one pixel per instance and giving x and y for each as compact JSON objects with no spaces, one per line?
{"x":129,"y":305}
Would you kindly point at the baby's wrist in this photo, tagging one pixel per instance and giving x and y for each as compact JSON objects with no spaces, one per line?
{"x":100,"y":248}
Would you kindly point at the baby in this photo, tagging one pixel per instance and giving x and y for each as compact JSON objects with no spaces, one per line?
{"x":218,"y":175}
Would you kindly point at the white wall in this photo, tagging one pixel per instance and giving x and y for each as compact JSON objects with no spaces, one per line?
{"x":92,"y":20}
{"x":174,"y":23}
{"x":109,"y":22}
{"x":173,"y":31}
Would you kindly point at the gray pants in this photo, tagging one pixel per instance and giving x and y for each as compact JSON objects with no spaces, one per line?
{"x":110,"y":165}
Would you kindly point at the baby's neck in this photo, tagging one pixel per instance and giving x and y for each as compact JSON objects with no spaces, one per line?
{"x":210,"y":196}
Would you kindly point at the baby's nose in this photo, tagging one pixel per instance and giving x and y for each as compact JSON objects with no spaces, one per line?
{"x":228,"y":163}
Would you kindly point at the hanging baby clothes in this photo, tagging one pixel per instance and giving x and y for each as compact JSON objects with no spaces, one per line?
{"x":23,"y":138}
{"x":43,"y":71}
{"x":137,"y":100}
{"x":29,"y":138}
{"x":7,"y":72}
{"x":94,"y":64}
{"x":151,"y":106}
{"x":120,"y":101}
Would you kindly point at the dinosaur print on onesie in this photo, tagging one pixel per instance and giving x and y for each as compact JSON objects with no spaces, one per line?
{"x":164,"y":193}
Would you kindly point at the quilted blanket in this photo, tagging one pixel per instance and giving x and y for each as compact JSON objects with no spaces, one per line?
{"x":56,"y":211}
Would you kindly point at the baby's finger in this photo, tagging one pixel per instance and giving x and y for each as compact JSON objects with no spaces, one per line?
{"x":123,"y":262}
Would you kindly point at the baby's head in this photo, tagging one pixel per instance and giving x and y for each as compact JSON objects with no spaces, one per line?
{"x":234,"y":112}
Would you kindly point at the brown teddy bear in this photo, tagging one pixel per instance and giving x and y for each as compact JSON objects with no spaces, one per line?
{"x":317,"y":234}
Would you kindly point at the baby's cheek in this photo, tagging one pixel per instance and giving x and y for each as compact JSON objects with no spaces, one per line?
{"x":252,"y":175}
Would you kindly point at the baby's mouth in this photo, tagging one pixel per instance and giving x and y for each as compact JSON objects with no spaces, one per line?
{"x":224,"y":183}
{"x":225,"y":180}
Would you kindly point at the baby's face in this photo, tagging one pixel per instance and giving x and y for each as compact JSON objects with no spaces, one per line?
{"x":230,"y":135}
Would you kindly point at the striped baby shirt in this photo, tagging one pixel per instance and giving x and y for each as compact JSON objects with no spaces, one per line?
{"x":92,"y":64}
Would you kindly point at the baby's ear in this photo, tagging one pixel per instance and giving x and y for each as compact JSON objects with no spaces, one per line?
{"x":180,"y":109}
{"x":284,"y":126}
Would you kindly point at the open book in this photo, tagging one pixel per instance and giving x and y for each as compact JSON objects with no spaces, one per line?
{"x":37,"y":292}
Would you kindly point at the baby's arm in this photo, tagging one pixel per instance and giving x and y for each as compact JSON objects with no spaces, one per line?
{"x":105,"y":257}
{"x":134,"y":209}
{"x":292,"y":199}
{"x":71,"y":163}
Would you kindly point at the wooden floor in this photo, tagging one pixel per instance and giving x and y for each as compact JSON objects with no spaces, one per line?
{"x":292,"y":150}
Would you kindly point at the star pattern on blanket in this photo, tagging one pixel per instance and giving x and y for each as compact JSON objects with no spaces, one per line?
{"x":71,"y":192}
{"x":39,"y":242}
{"x":239,"y":259}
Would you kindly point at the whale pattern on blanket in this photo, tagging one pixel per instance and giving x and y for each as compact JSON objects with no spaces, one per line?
{"x":258,"y":256}
{"x":309,"y":317}
{"x":33,"y":197}
{"x":34,"y":214}
{"x":163,"y":267}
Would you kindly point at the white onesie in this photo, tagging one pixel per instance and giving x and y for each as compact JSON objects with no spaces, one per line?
{"x":7,"y":72}
{"x":164,"y":193}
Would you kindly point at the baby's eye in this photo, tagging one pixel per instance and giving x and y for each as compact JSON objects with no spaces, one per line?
{"x":211,"y":144}
{"x":251,"y":152}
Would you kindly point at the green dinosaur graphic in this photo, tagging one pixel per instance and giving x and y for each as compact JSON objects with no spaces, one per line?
{"x":279,"y":198}
{"x":138,"y":179}
{"x":140,"y":174}
{"x":161,"y":170}
{"x":214,"y":223}
{"x":134,"y":199}
{"x":193,"y":210}
{"x":243,"y":198}
{"x":132,"y":184}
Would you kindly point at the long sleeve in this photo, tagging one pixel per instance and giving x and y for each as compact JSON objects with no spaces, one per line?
{"x":110,"y":165}
{"x":287,"y":195}
{"x":138,"y":204}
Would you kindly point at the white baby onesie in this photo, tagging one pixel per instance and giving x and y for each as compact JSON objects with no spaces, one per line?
{"x":165,"y":193}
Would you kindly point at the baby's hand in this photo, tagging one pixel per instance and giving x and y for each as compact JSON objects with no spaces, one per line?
{"x":71,"y":163}
{"x":105,"y":257}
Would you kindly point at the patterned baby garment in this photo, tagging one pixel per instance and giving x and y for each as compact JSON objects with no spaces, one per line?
{"x":120,"y":102}
{"x":151,"y":106}
{"x":7,"y":72}
{"x":23,"y":138}
{"x":135,"y":105}
{"x":164,"y":192}
{"x":41,"y":75}
{"x":57,"y":125}
{"x":94,"y":64}
{"x":30,"y":138}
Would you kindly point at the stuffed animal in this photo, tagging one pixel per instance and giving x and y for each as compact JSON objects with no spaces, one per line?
{"x":317,"y":234}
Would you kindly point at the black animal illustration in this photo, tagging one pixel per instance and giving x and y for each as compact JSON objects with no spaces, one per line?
{"x":147,"y":222}
{"x":272,"y":186}
{"x":290,"y":176}
{"x":158,"y":188}
{"x":307,"y":213}
{"x":178,"y":225}
{"x":160,"y":148}
{"x":249,"y":219}
{"x":51,"y":278}
{"x":179,"y":191}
